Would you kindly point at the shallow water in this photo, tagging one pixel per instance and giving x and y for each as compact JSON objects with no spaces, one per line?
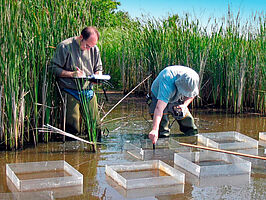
{"x":133,"y":127}
{"x":142,"y":174}
{"x":211,"y":162}
{"x":42,"y":174}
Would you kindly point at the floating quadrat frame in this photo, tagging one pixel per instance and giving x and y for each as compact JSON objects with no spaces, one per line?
{"x":227,"y":140}
{"x":262,"y":141}
{"x":58,"y":192}
{"x":262,"y":136}
{"x":137,"y":193}
{"x":131,"y":180}
{"x":164,"y":149}
{"x":43,"y":195}
{"x":43,"y":175}
{"x":215,"y":181}
{"x":208,"y":163}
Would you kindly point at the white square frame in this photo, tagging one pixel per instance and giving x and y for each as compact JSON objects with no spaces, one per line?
{"x":235,"y":165}
{"x":176,"y":177}
{"x":75,"y":177}
{"x":212,"y":140}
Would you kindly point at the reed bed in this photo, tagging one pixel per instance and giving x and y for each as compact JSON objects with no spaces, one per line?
{"x":229,"y":56}
{"x":30,"y":31}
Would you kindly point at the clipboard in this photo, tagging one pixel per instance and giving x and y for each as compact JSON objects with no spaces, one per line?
{"x":95,"y":78}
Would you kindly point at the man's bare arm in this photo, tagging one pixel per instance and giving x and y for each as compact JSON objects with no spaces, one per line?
{"x":158,"y":113}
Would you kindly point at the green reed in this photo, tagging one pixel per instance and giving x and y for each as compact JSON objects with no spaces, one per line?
{"x":30,"y":31}
{"x":228,"y":54}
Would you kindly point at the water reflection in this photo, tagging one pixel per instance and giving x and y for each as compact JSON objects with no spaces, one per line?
{"x":135,"y":126}
{"x":55,"y":193}
{"x":43,"y":195}
{"x":146,"y":192}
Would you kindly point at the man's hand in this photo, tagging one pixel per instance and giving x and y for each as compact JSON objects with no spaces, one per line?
{"x":184,"y":109}
{"x":79,"y":73}
{"x":153,"y":135}
{"x":158,"y":113}
{"x":73,"y":74}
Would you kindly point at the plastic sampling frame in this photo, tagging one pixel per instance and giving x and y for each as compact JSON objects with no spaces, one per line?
{"x":73,"y":178}
{"x":175,"y":176}
{"x":219,"y":164}
{"x":262,"y":141}
{"x":217,"y":181}
{"x":164,"y":149}
{"x":262,"y":136}
{"x":59,"y":192}
{"x":227,"y":140}
{"x":43,"y":195}
{"x":146,"y":192}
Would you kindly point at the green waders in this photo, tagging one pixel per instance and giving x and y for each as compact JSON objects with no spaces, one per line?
{"x":74,"y":112}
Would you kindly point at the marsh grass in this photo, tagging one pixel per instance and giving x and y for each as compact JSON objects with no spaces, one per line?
{"x":228,"y":54}
{"x":30,"y":31}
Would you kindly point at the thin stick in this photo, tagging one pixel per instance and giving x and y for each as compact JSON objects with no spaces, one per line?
{"x":223,"y":151}
{"x":125,"y":97}
{"x":57,"y":130}
{"x":132,"y":154}
{"x":114,"y":120}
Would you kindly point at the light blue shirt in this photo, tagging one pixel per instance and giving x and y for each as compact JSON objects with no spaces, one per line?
{"x":164,"y":88}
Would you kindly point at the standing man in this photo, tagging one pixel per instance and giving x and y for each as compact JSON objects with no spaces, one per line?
{"x":74,"y":58}
{"x":172,"y":91}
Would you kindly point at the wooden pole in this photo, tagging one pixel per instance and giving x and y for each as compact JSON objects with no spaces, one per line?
{"x":223,"y":151}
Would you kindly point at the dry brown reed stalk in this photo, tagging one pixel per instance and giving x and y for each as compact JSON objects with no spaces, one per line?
{"x":49,"y":128}
{"x":21,"y":117}
{"x":111,"y":120}
{"x":241,"y":84}
{"x":1,"y":122}
{"x":15,"y":128}
{"x":44,"y":94}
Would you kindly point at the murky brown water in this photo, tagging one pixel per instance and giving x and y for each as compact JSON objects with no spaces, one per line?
{"x":211,"y":162}
{"x":137,"y":122}
{"x":142,"y":173}
{"x":42,"y":174}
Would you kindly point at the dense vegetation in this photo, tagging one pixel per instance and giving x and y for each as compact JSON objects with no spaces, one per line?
{"x":229,"y":56}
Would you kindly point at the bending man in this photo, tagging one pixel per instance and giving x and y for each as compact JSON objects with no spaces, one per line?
{"x":172,"y":91}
